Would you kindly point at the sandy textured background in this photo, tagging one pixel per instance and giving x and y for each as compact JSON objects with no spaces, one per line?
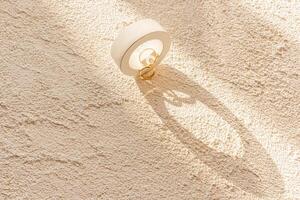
{"x":220,"y":121}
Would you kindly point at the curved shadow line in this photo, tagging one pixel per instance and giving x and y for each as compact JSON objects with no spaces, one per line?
{"x":248,"y":42}
{"x":255,"y":172}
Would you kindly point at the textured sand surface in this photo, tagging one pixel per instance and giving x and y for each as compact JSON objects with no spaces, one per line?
{"x":220,"y":121}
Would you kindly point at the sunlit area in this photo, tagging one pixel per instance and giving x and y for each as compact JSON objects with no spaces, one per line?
{"x":198,"y":101}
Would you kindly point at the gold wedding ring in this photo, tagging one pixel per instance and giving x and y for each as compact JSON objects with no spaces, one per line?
{"x":149,"y":63}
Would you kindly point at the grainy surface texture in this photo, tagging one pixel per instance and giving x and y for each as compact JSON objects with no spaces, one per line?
{"x":220,"y":121}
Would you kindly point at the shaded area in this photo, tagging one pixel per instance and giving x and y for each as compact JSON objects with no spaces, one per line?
{"x":255,"y":172}
{"x":239,"y":48}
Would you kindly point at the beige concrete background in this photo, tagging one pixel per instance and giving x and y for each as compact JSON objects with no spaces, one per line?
{"x":220,"y":121}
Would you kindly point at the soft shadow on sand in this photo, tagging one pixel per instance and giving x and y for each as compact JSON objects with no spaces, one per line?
{"x":237,"y":46}
{"x":255,"y":172}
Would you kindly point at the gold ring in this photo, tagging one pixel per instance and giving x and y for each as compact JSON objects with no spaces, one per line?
{"x":148,"y":71}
